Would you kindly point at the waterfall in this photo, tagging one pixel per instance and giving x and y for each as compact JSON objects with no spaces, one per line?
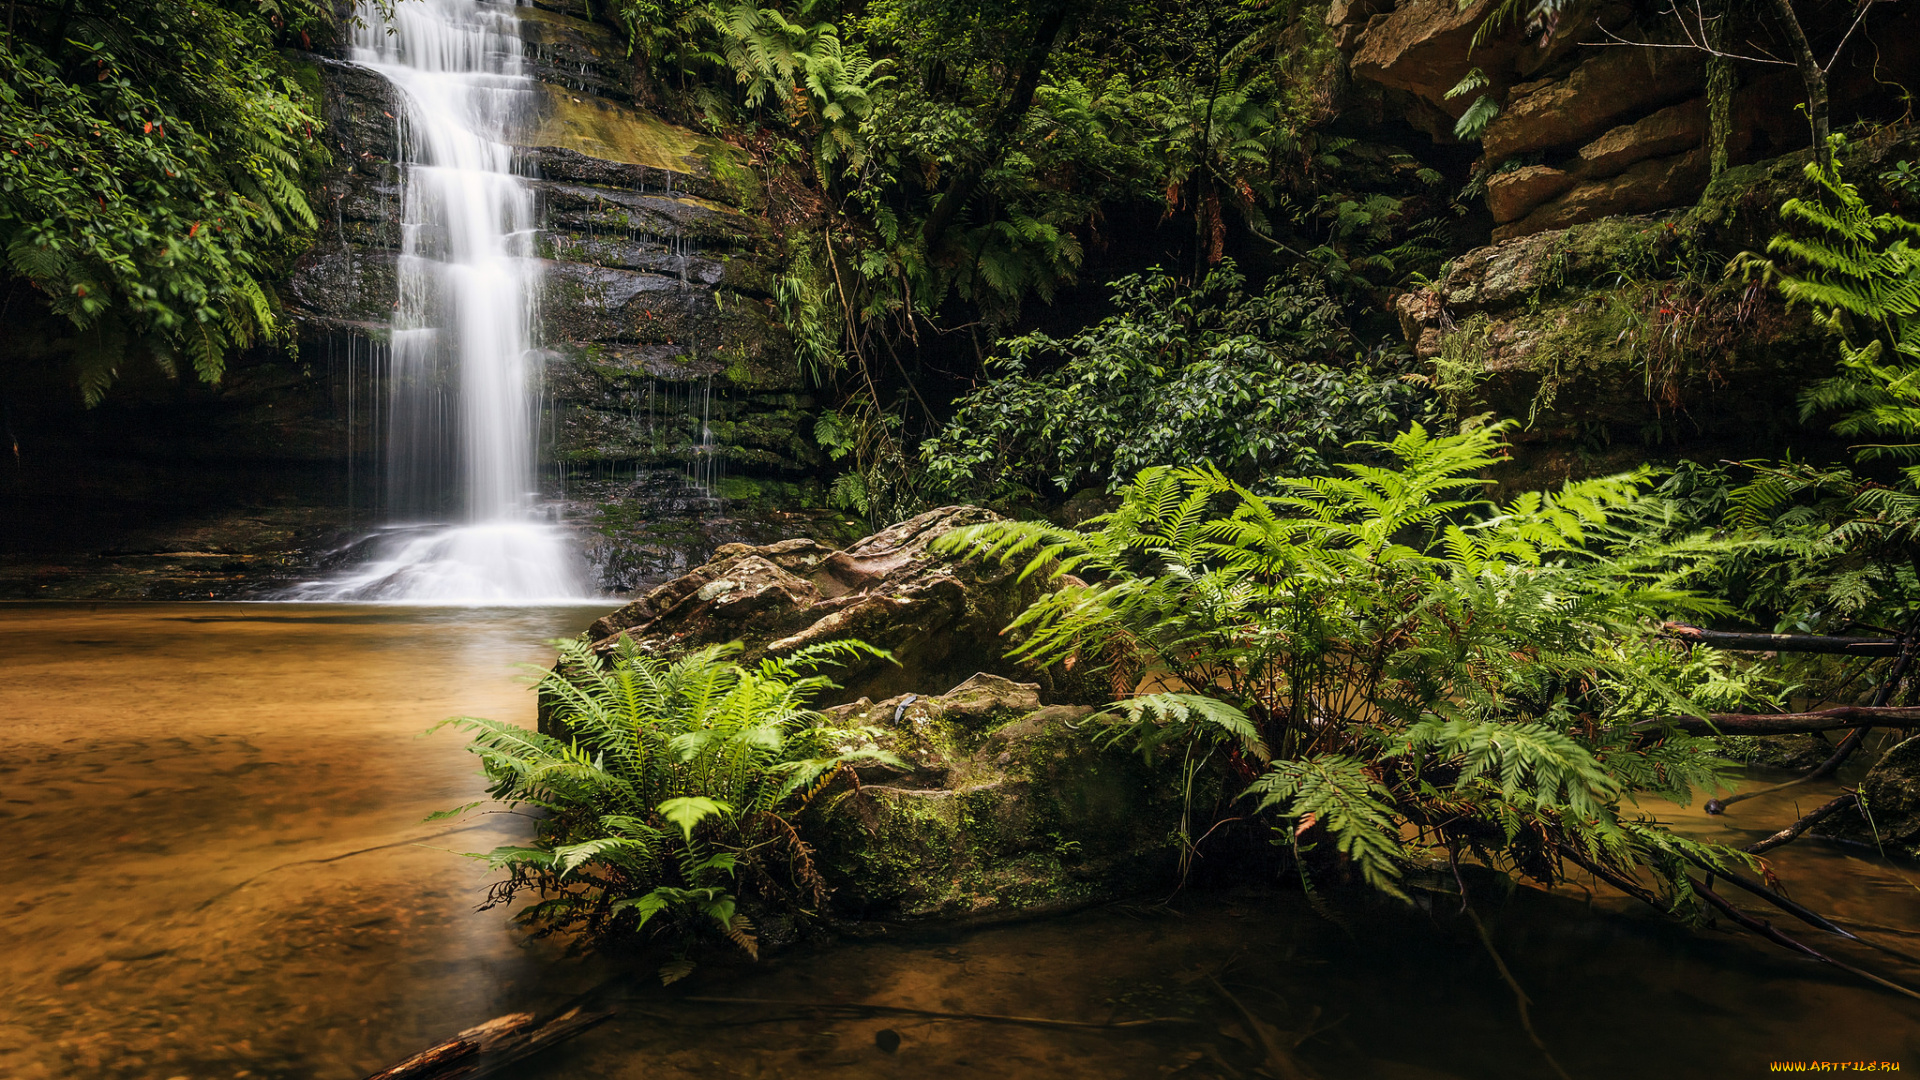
{"x":463,"y":363}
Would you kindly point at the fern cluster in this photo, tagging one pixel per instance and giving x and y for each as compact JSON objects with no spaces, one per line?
{"x":1401,"y":671}
{"x":1832,"y":546}
{"x":671,"y":801}
{"x":151,"y":162}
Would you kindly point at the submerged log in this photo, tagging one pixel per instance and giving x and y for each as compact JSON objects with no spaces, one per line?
{"x":486,"y":1048}
{"x":1793,"y":643}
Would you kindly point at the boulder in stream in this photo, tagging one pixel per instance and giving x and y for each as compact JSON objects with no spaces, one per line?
{"x":1006,"y":805}
{"x":940,"y":615}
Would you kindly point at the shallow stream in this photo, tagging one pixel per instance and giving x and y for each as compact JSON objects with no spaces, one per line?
{"x":217,"y":866}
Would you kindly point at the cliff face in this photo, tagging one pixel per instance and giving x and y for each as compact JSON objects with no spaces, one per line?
{"x":674,"y":414}
{"x":1589,"y":127}
{"x":1612,"y":336}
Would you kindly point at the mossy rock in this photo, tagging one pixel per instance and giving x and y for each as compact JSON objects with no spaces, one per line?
{"x":1891,"y":792}
{"x":1003,"y":808}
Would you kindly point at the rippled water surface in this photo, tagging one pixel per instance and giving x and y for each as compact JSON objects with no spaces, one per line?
{"x":217,"y":867}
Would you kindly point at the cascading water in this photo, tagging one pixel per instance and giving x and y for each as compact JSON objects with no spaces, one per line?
{"x":463,"y":364}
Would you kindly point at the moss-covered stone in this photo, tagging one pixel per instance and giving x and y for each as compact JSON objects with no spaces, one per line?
{"x":1002,"y":808}
{"x":1621,"y":337}
{"x":1891,"y":794}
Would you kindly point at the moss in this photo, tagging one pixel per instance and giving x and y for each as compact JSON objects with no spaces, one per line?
{"x":600,"y":40}
{"x":602,"y":129}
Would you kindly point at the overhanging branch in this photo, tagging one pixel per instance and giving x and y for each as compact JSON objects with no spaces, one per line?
{"x":1792,"y":643}
{"x":1843,"y":716}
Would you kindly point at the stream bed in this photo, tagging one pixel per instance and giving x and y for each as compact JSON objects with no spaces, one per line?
{"x":217,"y":866}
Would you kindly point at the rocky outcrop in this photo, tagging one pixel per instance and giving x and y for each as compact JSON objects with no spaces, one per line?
{"x":1588,"y":126}
{"x":1598,"y":338}
{"x":1648,"y":185}
{"x":1003,"y":803}
{"x":940,"y":615}
{"x":1592,"y":98}
{"x":1891,"y":791}
{"x":1512,"y":193}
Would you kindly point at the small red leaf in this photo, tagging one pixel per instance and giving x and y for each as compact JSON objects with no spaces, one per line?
{"x":148,"y":130}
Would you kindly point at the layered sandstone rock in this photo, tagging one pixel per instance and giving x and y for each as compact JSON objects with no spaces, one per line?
{"x":1627,"y":124}
{"x":940,"y":615}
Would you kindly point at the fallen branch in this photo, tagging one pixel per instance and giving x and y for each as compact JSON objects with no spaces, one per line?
{"x":1766,"y":930}
{"x":1840,"y":716}
{"x":1757,"y":926}
{"x":1794,"y":908}
{"x":1854,"y":738}
{"x":486,"y":1048}
{"x":1791,"y":643}
{"x":903,"y":1010}
{"x":1814,"y":817}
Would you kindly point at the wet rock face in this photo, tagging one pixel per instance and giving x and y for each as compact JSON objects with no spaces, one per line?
{"x":662,"y":353}
{"x":939,"y":615}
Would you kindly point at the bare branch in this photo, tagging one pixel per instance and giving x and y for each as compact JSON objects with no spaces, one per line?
{"x":1843,"y":716}
{"x":1788,"y":643}
{"x":1858,"y":18}
{"x":1698,"y":40}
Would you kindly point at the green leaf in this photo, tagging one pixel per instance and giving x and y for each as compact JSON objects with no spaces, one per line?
{"x":688,"y":811}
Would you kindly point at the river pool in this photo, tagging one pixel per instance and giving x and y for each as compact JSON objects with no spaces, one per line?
{"x":217,"y":866}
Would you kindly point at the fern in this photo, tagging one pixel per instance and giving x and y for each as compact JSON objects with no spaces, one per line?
{"x":676,"y":779}
{"x":1423,"y":669}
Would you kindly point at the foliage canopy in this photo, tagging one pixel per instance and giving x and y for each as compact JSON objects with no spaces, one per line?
{"x":150,"y":184}
{"x":1247,"y":383}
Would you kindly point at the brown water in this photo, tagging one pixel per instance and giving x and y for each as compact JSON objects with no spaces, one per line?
{"x":217,"y":867}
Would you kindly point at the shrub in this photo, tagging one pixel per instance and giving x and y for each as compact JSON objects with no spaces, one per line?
{"x":1209,"y":374}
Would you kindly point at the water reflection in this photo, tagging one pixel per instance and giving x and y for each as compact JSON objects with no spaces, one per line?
{"x":214,"y":813}
{"x":217,"y":867}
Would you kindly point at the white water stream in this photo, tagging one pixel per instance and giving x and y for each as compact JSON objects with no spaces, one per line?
{"x":460,"y":438}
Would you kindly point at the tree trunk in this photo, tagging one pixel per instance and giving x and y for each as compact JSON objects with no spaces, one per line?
{"x":1815,"y":78}
{"x":1004,"y":126}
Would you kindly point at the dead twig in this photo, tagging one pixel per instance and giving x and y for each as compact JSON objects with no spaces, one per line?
{"x":1814,"y":817}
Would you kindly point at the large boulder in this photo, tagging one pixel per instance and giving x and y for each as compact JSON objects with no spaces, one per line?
{"x":1004,"y":803}
{"x":941,"y":615}
{"x":1004,"y":807}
